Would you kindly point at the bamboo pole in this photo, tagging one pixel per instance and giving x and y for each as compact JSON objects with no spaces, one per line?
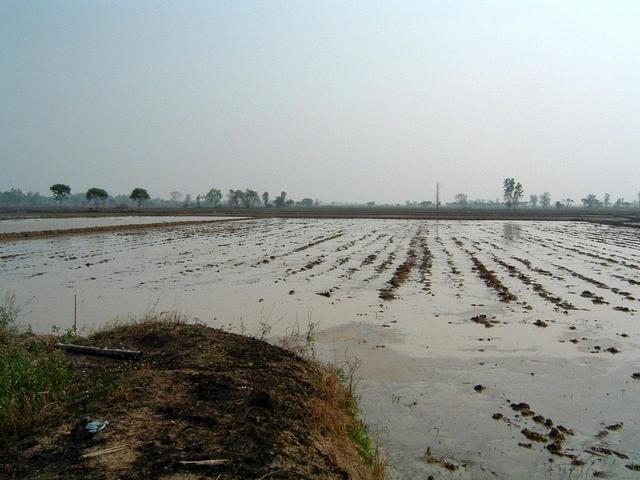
{"x":101,"y":352}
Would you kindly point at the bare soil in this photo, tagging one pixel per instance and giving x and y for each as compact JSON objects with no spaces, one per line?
{"x":12,"y":236}
{"x":233,"y":406}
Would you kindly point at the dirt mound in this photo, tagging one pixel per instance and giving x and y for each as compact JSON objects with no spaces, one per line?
{"x":12,"y":236}
{"x":202,"y":403}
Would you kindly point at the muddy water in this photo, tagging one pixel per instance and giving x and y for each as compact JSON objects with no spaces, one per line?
{"x":560,"y":330}
{"x":40,"y":224}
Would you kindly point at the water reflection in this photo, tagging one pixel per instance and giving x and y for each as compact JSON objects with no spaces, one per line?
{"x":511,"y":231}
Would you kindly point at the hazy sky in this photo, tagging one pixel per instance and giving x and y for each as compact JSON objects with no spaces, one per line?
{"x":337,"y":100}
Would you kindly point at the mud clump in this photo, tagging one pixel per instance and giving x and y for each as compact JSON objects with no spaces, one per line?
{"x":547,"y":422}
{"x":444,"y":462}
{"x":541,"y":324}
{"x":535,"y":436}
{"x":317,"y":242}
{"x":386,"y":294}
{"x":598,"y":449}
{"x":399,"y":276}
{"x":426,"y":263}
{"x":622,"y":309}
{"x":538,"y":288}
{"x":566,"y":431}
{"x":369,"y":260}
{"x":555,"y":448}
{"x":491,"y":280}
{"x":482,"y":319}
{"x":313,"y":263}
{"x":523,"y":408}
{"x":556,"y":435}
{"x":386,"y":263}
{"x":520,"y":406}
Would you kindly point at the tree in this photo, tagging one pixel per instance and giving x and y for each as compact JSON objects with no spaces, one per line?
{"x":568,"y":202}
{"x":96,"y":195}
{"x":508,"y":186}
{"x":517,"y":194}
{"x":250,"y":198}
{"x":545,"y":200}
{"x":513,"y":191}
{"x":187,"y":200}
{"x":265,"y":199}
{"x":306,"y":202}
{"x":619,"y":203}
{"x":607,"y":200}
{"x":176,"y":196}
{"x":559,"y":204}
{"x":461,"y":200}
{"x":60,"y":191}
{"x":281,"y":200}
{"x":139,"y":195}
{"x":198,"y":197}
{"x":533,"y":200}
{"x":289,"y":203}
{"x":214,"y":196}
{"x":235,"y":198}
{"x":591,"y":201}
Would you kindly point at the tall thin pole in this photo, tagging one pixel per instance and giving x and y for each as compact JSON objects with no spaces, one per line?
{"x":75,"y":315}
{"x":437,"y":195}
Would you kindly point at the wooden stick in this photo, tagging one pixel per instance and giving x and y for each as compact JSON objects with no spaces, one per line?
{"x":208,"y":463}
{"x":75,"y":314}
{"x":105,"y":451}
{"x":102,"y":352}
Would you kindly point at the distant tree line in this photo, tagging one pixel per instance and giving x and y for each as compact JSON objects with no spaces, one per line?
{"x":513,"y":192}
{"x":96,"y":197}
{"x":62,"y":194}
{"x":513,"y":196}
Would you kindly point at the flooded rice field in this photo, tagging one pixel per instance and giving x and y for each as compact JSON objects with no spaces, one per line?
{"x":42,"y":224}
{"x":483,"y":349}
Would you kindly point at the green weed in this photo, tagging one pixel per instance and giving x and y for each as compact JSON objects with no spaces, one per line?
{"x":33,"y":381}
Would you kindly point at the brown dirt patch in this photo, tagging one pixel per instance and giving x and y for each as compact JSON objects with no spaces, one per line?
{"x":199,"y":394}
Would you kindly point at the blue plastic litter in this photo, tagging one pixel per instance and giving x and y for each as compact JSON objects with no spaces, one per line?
{"x":95,"y":426}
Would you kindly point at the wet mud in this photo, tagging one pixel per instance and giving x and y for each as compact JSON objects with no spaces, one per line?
{"x":535,"y":313}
